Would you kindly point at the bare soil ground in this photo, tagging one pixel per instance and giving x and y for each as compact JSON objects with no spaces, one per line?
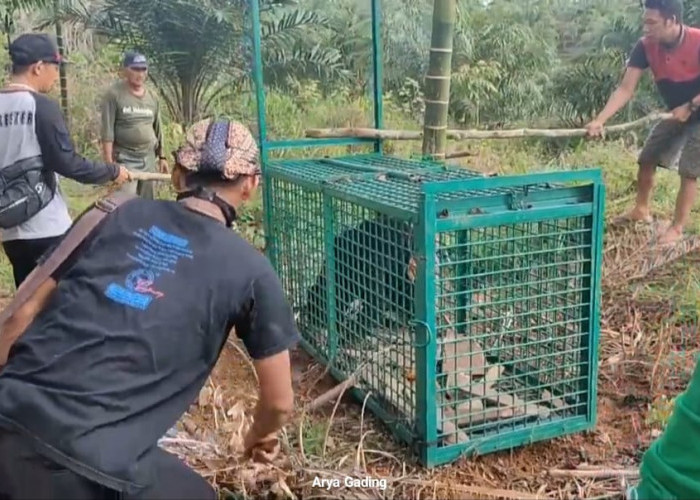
{"x":618,"y":441}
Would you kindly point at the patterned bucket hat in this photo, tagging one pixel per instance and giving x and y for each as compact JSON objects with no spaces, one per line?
{"x":221,"y":147}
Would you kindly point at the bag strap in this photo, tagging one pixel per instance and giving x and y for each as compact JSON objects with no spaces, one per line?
{"x":75,"y":235}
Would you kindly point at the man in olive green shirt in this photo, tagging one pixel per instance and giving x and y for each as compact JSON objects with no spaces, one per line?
{"x":131,"y":125}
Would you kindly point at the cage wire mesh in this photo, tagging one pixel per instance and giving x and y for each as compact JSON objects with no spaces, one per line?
{"x":512,"y":329}
{"x":512,"y":314}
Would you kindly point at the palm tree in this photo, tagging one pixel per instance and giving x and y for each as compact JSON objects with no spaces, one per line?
{"x":63,"y":80}
{"x":199,"y":49}
{"x":9,"y":8}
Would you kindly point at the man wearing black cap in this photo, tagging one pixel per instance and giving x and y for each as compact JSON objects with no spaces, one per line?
{"x":131,"y":124}
{"x":33,"y":132}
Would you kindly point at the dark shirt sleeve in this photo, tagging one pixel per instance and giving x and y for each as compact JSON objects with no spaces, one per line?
{"x":57,"y":148}
{"x":638,"y":57}
{"x":265,"y":322}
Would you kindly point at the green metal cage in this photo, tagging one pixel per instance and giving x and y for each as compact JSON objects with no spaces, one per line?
{"x":465,"y":307}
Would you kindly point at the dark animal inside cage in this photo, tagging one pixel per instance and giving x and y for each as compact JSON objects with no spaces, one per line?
{"x":374,"y":281}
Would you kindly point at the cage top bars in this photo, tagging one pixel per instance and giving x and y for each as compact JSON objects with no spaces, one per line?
{"x":268,"y":145}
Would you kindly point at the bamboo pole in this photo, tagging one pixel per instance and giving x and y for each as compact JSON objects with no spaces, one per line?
{"x":437,"y":79}
{"x":63,"y":79}
{"x":413,"y":135}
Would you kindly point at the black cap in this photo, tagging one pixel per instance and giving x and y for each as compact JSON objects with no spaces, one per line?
{"x":135,"y":60}
{"x":32,"y":48}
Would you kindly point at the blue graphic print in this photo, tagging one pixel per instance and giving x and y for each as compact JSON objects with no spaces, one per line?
{"x":156,"y":252}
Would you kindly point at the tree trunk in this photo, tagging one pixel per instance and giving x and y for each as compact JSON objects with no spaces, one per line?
{"x":437,"y":80}
{"x":63,"y":80}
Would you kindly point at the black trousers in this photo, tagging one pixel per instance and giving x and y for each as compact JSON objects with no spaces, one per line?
{"x":24,"y":255}
{"x":26,"y":475}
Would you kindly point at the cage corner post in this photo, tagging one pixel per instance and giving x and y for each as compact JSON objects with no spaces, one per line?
{"x":426,"y":341}
{"x":598,"y":228}
{"x":259,"y":84}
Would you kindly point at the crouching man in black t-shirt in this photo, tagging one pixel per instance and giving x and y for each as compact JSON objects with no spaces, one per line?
{"x":118,"y":344}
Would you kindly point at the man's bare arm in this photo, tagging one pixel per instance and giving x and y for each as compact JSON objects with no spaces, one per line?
{"x":108,"y":152}
{"x":108,"y":114}
{"x":276,"y":402}
{"x":16,"y":324}
{"x":266,"y":325}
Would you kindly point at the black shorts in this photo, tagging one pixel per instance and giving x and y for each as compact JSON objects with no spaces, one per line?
{"x":24,"y":474}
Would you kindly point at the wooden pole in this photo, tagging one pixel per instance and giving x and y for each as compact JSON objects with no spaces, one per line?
{"x":149,"y":176}
{"x":437,"y":80}
{"x":412,"y":135}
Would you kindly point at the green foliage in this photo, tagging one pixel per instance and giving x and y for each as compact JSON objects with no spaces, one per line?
{"x":551,"y":62}
{"x":512,"y":57}
{"x":10,"y":8}
{"x":516,"y":62}
{"x":660,"y":413}
{"x":584,"y":101}
{"x":200,"y":49}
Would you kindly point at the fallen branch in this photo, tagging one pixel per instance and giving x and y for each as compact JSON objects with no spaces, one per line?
{"x":594,"y":473}
{"x":413,"y":135}
{"x":331,"y":394}
{"x":459,"y":154}
{"x":348,"y":383}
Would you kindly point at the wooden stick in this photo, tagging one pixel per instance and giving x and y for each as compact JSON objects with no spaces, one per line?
{"x":594,"y":473}
{"x":149,"y":176}
{"x":413,"y":135}
{"x":349,"y":382}
{"x":331,"y":394}
{"x":459,"y":154}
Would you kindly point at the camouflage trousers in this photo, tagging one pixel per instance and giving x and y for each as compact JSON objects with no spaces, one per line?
{"x":143,"y":189}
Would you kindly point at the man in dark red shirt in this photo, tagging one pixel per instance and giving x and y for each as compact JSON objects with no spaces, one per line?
{"x":671,"y":50}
